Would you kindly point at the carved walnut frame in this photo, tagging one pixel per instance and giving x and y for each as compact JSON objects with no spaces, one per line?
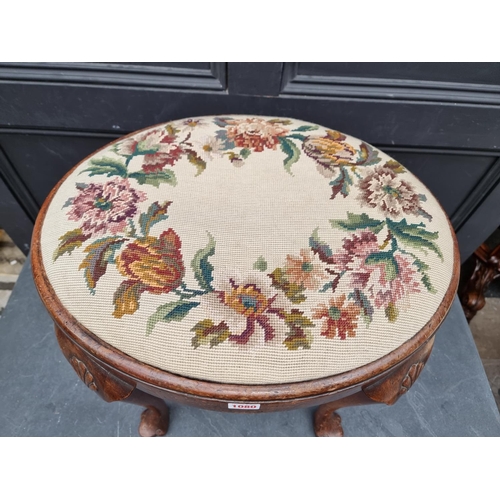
{"x":116,"y":376}
{"x":486,"y":270}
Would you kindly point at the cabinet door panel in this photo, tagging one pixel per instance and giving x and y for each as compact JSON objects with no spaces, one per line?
{"x":41,"y":161}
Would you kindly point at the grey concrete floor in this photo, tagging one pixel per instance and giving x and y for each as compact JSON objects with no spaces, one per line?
{"x":485,"y":327}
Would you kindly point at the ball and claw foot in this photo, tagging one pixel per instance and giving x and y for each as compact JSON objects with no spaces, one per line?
{"x":327,"y":424}
{"x":154,"y":422}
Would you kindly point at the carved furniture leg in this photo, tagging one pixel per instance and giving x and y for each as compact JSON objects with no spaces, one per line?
{"x":486,"y":270}
{"x":155,"y":418}
{"x":388,"y":389}
{"x":111,"y":387}
{"x":327,"y":423}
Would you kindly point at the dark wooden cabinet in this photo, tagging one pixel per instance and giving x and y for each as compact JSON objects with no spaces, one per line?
{"x":441,"y":120}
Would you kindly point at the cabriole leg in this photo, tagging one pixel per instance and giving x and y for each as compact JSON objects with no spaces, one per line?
{"x":110,"y":387}
{"x":327,"y":422}
{"x":387,"y":389}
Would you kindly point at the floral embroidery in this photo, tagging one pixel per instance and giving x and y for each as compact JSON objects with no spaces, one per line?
{"x":340,"y":320}
{"x":305,"y":270}
{"x":383,"y":189}
{"x":379,"y":267}
{"x":330,"y":152}
{"x":333,"y":156}
{"x":192,"y":123}
{"x":389,"y":285}
{"x":380,"y":275}
{"x":150,"y":264}
{"x":104,"y":208}
{"x":155,"y":262}
{"x":256,"y":133}
{"x":211,"y":148}
{"x":250,"y":301}
{"x":157,"y":147}
{"x":244,"y":308}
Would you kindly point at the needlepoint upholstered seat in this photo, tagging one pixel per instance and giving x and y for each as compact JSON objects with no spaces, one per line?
{"x":244,"y":263}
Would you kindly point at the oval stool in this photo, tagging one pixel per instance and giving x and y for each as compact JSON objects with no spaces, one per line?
{"x":244,"y":263}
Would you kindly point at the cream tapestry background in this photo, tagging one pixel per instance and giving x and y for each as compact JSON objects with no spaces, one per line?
{"x":287,"y":252}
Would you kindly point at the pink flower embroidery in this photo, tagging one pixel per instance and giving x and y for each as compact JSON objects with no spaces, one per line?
{"x":157,"y":146}
{"x":255,"y":133}
{"x":383,"y":284}
{"x":390,"y":291}
{"x":105,"y":208}
{"x":354,"y":251}
{"x":305,"y":270}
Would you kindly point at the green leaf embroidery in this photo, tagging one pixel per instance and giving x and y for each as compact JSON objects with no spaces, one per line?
{"x":367,"y":155}
{"x":156,"y":213}
{"x":298,"y":335}
{"x":69,"y":241}
{"x":341,"y":184}
{"x":423,"y":267}
{"x":415,"y":236}
{"x":362,"y":301}
{"x":99,"y":254}
{"x":70,"y":201}
{"x":245,"y":153}
{"x":391,"y":312}
{"x":172,"y":131}
{"x":199,"y":163}
{"x":305,"y":128}
{"x":106,"y":166}
{"x":296,"y":318}
{"x":291,"y":290}
{"x":292,"y":153}
{"x":358,"y":221}
{"x":320,"y":247}
{"x":202,"y":267}
{"x":390,"y":263}
{"x":126,"y":298}
{"x":295,"y":342}
{"x":173,"y":311}
{"x":144,"y":148}
{"x":299,"y":137}
{"x":260,"y":264}
{"x":397,"y":168}
{"x":427,"y":283}
{"x":155,"y":178}
{"x":281,"y":121}
{"x":206,"y":332}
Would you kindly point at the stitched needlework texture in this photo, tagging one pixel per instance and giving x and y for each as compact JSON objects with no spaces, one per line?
{"x":247,"y":249}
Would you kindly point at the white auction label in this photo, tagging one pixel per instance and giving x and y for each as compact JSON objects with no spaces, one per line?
{"x":243,"y":406}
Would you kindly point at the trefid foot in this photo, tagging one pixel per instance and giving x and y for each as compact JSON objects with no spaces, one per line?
{"x":154,"y":422}
{"x":155,"y":418}
{"x":328,"y":424}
